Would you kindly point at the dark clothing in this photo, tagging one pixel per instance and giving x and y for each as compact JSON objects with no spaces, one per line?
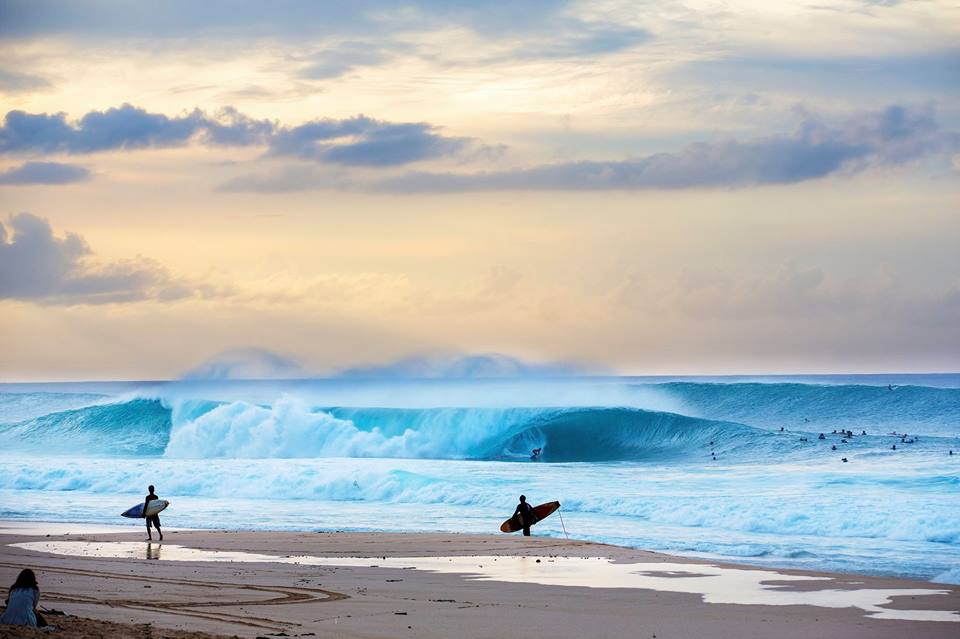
{"x":152,"y":519}
{"x":525,"y":512}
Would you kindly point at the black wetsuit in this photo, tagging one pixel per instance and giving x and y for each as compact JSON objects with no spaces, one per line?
{"x":525,"y":512}
{"x":152,"y":519}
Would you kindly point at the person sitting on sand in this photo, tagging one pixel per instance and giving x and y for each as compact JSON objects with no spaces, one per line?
{"x":22,"y":602}
{"x":525,"y":512}
{"x":152,"y":519}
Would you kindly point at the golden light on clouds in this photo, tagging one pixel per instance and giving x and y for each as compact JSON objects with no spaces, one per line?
{"x":696,"y":190}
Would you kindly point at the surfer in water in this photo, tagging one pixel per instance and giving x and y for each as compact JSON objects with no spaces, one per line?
{"x":525,"y":512}
{"x":152,"y":519}
{"x":535,"y":454}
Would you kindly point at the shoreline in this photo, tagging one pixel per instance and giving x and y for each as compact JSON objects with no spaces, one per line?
{"x":426,"y":584}
{"x":39,"y":527}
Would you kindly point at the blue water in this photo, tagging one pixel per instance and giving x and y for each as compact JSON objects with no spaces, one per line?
{"x":631,"y":460}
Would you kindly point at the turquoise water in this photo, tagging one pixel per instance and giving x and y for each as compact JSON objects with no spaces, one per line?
{"x":689,"y":466}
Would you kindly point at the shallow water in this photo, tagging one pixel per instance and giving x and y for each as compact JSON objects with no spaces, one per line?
{"x":721,"y":585}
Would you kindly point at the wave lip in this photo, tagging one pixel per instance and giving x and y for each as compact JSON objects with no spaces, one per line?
{"x":136,"y":427}
{"x":290,"y":429}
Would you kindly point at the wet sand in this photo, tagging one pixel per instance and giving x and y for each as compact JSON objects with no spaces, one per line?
{"x":251,"y":584}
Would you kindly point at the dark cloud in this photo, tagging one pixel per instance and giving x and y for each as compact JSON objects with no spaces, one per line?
{"x":363,"y":141}
{"x":893,"y":136}
{"x":125,"y":127}
{"x":44,"y":173}
{"x":816,"y":149}
{"x":38,"y":266}
{"x":16,"y":82}
{"x":390,"y":145}
{"x":357,"y":141}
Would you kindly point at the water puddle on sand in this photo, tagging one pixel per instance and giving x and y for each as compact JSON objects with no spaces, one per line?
{"x":53,"y":528}
{"x":715,"y":584}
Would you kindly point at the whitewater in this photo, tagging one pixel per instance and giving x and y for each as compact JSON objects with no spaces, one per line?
{"x":717,"y":467}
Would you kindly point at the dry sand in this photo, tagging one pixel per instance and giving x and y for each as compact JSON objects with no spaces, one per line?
{"x":372,"y":599}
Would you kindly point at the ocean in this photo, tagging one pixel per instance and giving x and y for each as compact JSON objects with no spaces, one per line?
{"x":726,"y":468}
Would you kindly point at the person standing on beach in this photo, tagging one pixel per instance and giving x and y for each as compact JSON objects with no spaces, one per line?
{"x":525,"y":512}
{"x":152,"y":519}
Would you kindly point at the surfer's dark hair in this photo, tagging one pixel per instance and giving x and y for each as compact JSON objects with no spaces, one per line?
{"x":523,"y":498}
{"x":150,"y":488}
{"x":26,"y":579}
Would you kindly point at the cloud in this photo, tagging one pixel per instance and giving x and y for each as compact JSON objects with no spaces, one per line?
{"x":885,"y":77}
{"x":337,"y":60}
{"x":124,"y":127}
{"x":280,"y":19}
{"x":38,"y":266}
{"x":363,"y":141}
{"x":360,"y":34}
{"x":246,"y":363}
{"x":893,"y":136}
{"x":44,"y":173}
{"x":16,"y":82}
{"x":451,"y":366}
{"x":356,"y":141}
{"x":576,"y":39}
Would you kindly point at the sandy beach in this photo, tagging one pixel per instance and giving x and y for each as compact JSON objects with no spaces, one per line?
{"x":251,"y":584}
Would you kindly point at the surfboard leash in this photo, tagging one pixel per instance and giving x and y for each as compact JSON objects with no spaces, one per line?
{"x":562,"y":525}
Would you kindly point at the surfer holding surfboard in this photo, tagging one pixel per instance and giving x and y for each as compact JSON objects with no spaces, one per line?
{"x":525,"y":512}
{"x":526,"y":515}
{"x":154,"y":518}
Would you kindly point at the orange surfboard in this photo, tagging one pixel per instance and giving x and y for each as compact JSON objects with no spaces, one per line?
{"x":539,"y":512}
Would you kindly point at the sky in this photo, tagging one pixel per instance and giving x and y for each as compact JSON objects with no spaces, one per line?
{"x":636,"y":187}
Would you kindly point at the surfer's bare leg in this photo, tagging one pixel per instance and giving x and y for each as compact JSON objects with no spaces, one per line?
{"x":149,"y":535}
{"x":155,"y":520}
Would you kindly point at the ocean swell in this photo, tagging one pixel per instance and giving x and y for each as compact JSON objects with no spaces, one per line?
{"x":289,"y":428}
